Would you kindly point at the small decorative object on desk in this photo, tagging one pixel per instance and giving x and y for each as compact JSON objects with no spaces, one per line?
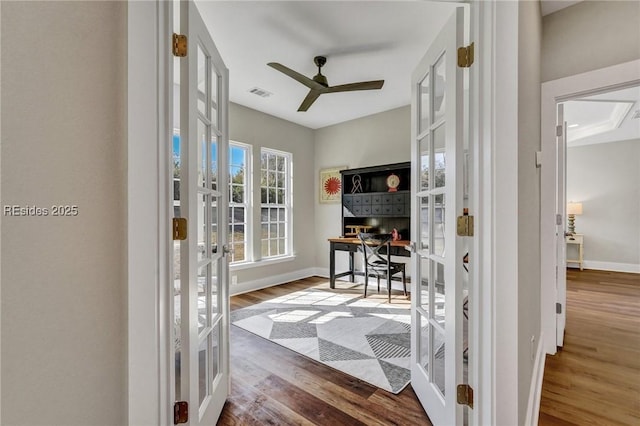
{"x":356,"y":180}
{"x":393,"y":181}
{"x":395,"y":236}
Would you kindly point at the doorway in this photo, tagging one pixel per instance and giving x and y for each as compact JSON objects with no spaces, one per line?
{"x":162,"y":299}
{"x":603,"y":158}
{"x":600,"y":89}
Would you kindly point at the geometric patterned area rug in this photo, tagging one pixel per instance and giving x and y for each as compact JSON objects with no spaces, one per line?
{"x":365,"y":338}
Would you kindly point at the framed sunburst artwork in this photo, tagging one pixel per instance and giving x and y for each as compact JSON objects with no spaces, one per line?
{"x":330,"y":185}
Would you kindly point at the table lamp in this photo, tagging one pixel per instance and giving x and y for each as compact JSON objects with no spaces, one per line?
{"x":573,"y":209}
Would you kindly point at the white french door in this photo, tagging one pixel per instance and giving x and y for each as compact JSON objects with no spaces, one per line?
{"x":202,"y":352}
{"x":561,"y":245}
{"x":437,"y":198}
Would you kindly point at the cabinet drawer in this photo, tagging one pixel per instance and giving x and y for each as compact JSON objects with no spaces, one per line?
{"x":387,"y":209}
{"x":376,"y":209}
{"x":357,"y":210}
{"x":399,"y":251}
{"x":345,"y":247}
{"x":366,"y":209}
{"x":398,"y":209}
{"x":376,"y":199}
{"x":347,"y":200}
{"x":399,"y":198}
{"x":357,"y":200}
{"x":387,"y":199}
{"x":366,"y":199}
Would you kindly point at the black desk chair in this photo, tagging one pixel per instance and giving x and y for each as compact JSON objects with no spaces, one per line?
{"x":379,"y":264}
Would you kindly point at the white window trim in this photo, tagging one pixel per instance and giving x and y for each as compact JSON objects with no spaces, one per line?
{"x":288,"y":206}
{"x":248,"y":204}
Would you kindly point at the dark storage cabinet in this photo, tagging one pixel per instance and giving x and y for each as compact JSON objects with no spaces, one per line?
{"x":367,"y":203}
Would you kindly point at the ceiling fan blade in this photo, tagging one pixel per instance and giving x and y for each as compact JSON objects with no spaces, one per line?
{"x":363,"y":85}
{"x":309,"y":99}
{"x":296,"y":76}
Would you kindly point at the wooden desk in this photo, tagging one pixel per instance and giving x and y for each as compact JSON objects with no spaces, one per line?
{"x":398,"y":248}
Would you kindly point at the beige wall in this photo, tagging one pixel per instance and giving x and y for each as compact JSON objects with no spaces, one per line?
{"x":64,"y":278}
{"x":605,"y":178}
{"x":262,"y":130}
{"x":382,"y":138}
{"x":530,"y":24}
{"x":589,"y":35}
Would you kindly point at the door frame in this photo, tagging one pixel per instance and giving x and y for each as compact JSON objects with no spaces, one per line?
{"x":150,"y":65}
{"x":493,"y":26}
{"x":494,"y":192}
{"x":554,"y":92}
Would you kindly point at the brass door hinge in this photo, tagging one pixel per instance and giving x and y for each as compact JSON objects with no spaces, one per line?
{"x":465,"y":56}
{"x":179,"y":45}
{"x":465,"y":226}
{"x":465,"y":395}
{"x":180,"y":412}
{"x":179,"y":229}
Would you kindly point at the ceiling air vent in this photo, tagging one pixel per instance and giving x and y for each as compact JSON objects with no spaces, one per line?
{"x":636,"y":114}
{"x":260,"y":92}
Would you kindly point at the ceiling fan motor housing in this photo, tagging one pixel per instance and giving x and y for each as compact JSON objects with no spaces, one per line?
{"x":320,"y":61}
{"x":319,"y":78}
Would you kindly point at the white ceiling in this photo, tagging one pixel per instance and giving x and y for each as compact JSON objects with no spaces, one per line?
{"x":361,"y":40}
{"x":602,"y":118}
{"x":550,"y":6}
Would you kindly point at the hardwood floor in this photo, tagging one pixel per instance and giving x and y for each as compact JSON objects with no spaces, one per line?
{"x":272,"y":385}
{"x":595,"y":378}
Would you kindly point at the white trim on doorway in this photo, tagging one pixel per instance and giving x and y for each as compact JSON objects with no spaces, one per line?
{"x":149,"y":129}
{"x":502,"y":157}
{"x":555,"y":91}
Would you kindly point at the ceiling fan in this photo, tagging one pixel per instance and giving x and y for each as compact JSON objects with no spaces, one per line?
{"x":319,"y":85}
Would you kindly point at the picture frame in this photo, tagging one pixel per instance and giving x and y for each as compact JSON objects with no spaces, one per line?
{"x":330,"y":185}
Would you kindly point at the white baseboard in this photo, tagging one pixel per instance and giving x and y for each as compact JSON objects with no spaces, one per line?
{"x":248,"y":286}
{"x":322,"y":272}
{"x":535,"y":391}
{"x":611,"y":266}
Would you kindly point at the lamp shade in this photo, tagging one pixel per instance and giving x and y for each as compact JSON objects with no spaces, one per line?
{"x":574,"y":208}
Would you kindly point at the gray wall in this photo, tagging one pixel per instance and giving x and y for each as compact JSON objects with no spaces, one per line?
{"x":382,"y":138}
{"x":530,"y":27}
{"x":64,"y":300}
{"x":263,"y":130}
{"x":606,"y":179}
{"x":589,"y":35}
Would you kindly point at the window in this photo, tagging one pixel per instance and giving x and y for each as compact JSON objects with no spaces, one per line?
{"x":275,"y":209}
{"x":275,"y":192}
{"x":239,"y":201}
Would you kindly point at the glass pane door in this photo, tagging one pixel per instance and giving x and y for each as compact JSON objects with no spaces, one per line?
{"x":431,"y":307}
{"x":204,"y":337}
{"x":436,"y":365}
